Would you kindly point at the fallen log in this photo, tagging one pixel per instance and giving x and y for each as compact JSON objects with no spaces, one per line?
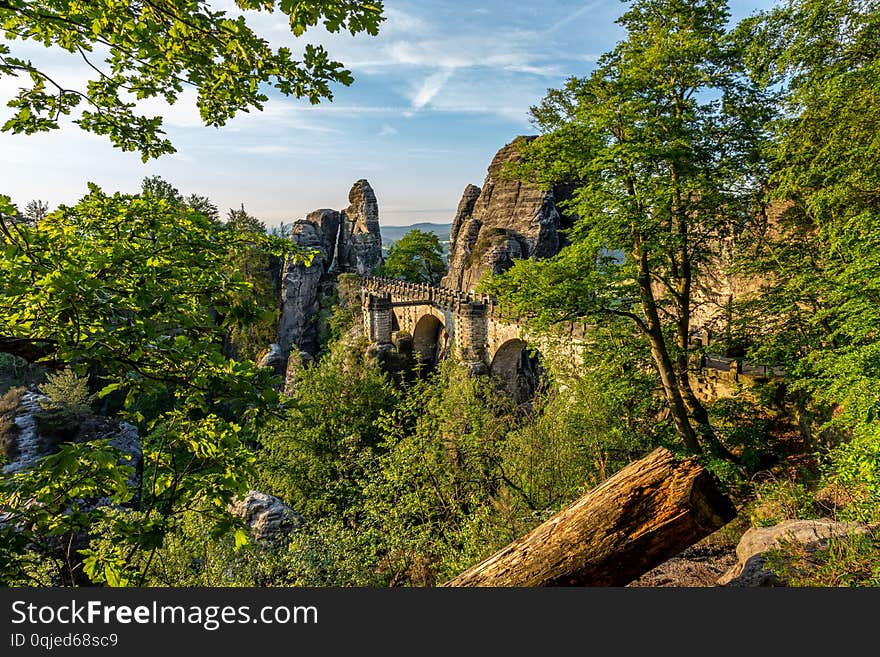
{"x":642,"y":516}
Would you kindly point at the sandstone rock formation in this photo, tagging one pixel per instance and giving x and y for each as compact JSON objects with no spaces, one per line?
{"x":503,"y":221}
{"x":29,"y":442}
{"x":346,"y":242}
{"x":300,"y":285}
{"x":360,"y":244}
{"x":465,"y":210}
{"x":327,"y":223}
{"x":718,"y":285}
{"x":267,"y":516}
{"x":274,"y":358}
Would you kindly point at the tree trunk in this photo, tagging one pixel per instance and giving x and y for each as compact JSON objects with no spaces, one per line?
{"x":639,"y":518}
{"x":662,"y":360}
{"x":672,"y":392}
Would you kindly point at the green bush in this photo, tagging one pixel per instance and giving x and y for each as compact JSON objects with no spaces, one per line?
{"x":69,"y":403}
{"x":314,"y":455}
{"x":846,"y":561}
{"x":854,"y":466}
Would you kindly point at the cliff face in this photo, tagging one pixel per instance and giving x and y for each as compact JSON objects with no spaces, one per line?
{"x":718,"y":287}
{"x":300,"y":286}
{"x":346,"y":241}
{"x":503,"y":221}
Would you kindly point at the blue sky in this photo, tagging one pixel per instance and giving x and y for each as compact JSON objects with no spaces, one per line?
{"x":436,"y":94}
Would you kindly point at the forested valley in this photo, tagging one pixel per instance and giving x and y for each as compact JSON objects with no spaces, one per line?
{"x":139,"y":407}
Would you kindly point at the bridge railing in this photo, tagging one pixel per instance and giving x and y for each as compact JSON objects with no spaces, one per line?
{"x":443,"y":297}
{"x":451,"y":299}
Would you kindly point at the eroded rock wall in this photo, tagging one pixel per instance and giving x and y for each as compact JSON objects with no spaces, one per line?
{"x":346,"y":241}
{"x":360,"y":243}
{"x":504,"y":220}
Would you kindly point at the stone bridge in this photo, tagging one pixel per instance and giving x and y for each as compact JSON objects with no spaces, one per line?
{"x":443,"y":321}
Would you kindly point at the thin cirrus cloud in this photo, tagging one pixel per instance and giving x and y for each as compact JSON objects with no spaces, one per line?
{"x":441,"y":88}
{"x":428,"y":89}
{"x":388,"y":130}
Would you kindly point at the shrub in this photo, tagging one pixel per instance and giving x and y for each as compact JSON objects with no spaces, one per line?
{"x":69,"y":403}
{"x":8,"y":429}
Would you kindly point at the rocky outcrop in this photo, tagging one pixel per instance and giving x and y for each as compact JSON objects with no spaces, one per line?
{"x":300,"y":286}
{"x":326,"y":222}
{"x":268,"y":517}
{"x":360,"y":244}
{"x":505,"y":220}
{"x":751,"y":569}
{"x":465,"y":210}
{"x":33,"y":441}
{"x":274,"y":358}
{"x":346,"y":241}
{"x":719,"y":286}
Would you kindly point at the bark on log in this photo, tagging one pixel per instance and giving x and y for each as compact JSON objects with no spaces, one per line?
{"x":637,"y":519}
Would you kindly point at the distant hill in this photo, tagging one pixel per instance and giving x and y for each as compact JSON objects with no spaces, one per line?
{"x":391,"y":234}
{"x":394,"y":233}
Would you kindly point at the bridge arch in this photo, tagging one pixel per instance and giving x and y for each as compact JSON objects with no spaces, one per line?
{"x":428,"y":338}
{"x":519,"y":369}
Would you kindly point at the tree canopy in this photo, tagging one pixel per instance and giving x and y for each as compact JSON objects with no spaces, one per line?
{"x":136,"y":293}
{"x":134,"y":50}
{"x":660,"y":142}
{"x":416,"y":257}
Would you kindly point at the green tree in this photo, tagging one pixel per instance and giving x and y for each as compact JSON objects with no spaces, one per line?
{"x":431,"y":500}
{"x":416,"y":257}
{"x":315,"y":455}
{"x":35,"y":211}
{"x":253,"y":262}
{"x":660,"y":142}
{"x":821,"y":264}
{"x":136,"y":292}
{"x":156,"y":49}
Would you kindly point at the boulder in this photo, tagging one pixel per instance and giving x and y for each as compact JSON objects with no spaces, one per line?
{"x":752,"y":549}
{"x":268,"y":517}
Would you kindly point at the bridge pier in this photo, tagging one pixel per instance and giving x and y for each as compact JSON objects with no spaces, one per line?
{"x":472,"y":333}
{"x":377,"y":317}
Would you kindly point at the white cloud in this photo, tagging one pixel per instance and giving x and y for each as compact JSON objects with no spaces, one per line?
{"x":401,"y":22}
{"x":429,"y":88}
{"x":387,"y":130}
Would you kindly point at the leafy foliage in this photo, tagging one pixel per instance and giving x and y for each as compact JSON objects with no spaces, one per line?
{"x":135,"y":290}
{"x":660,"y":144}
{"x":416,"y":257}
{"x":253,"y":261}
{"x":315,"y":455}
{"x":159,"y":48}
{"x":69,"y":390}
{"x":821,"y":265}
